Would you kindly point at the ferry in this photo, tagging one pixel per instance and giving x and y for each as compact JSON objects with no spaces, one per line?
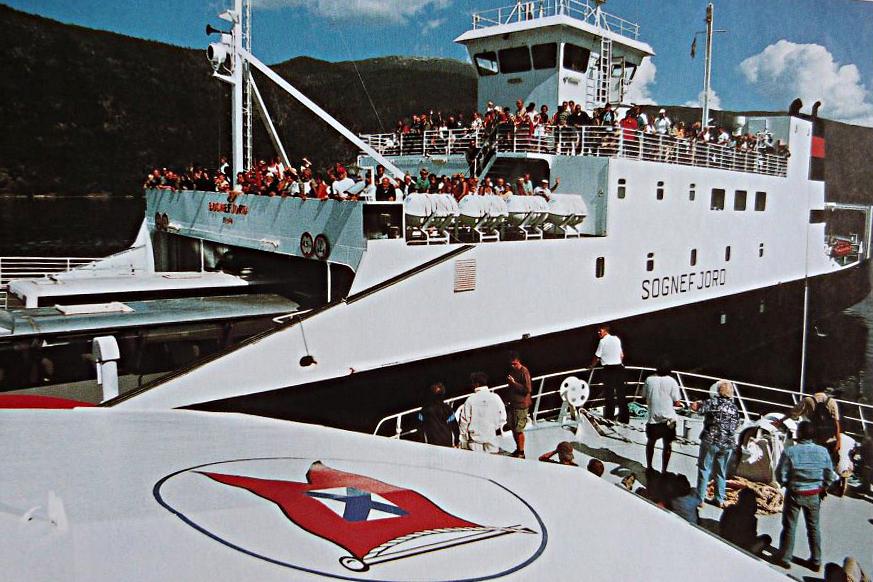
{"x":671,"y":242}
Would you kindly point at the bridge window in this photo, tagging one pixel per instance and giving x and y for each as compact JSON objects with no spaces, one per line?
{"x":727,"y":253}
{"x":760,"y":201}
{"x":576,"y":58}
{"x":600,"y":267}
{"x":486,"y":63}
{"x":761,"y":250}
{"x":717,"y":200}
{"x":514,"y":60}
{"x":545,"y":56}
{"x":659,"y":193}
{"x":650,"y":262}
{"x":622,"y":187}
{"x":693,"y":260}
{"x":692,"y":192}
{"x":740,"y":200}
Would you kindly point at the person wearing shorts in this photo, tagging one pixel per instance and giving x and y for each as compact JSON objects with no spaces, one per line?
{"x":662,"y":396}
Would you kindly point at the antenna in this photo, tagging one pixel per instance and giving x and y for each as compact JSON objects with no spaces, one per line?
{"x":707,"y":74}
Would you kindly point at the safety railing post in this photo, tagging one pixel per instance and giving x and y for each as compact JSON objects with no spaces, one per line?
{"x":539,"y":399}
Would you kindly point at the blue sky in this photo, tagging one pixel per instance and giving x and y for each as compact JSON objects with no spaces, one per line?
{"x":773,"y":50}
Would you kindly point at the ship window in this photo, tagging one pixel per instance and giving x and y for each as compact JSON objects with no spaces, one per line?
{"x":763,"y":307}
{"x":514,"y":60}
{"x":486,"y":63}
{"x":761,"y":250}
{"x":545,"y":56}
{"x":740,"y":200}
{"x":692,"y":192}
{"x":817,"y":217}
{"x":693,"y":260}
{"x":717,"y":200}
{"x":576,"y":58}
{"x":650,"y":262}
{"x":727,"y":253}
{"x":622,"y":187}
{"x":723,"y":319}
{"x":760,"y":201}
{"x":659,"y":193}
{"x":600,"y":267}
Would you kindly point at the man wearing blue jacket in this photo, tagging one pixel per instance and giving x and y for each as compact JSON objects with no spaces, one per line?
{"x":806,"y":471}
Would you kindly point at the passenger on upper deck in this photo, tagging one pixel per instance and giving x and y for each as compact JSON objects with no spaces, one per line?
{"x":544,"y":190}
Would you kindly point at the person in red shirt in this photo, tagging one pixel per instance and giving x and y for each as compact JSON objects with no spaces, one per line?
{"x":629,"y":127}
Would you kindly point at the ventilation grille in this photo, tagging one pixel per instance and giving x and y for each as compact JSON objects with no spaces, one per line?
{"x":465,"y":275}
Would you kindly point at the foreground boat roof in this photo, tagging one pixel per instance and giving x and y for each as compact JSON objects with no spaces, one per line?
{"x":184,"y":495}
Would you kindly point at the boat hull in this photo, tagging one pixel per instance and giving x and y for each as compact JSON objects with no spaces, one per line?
{"x":755,"y":335}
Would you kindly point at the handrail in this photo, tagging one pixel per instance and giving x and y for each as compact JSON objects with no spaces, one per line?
{"x":750,"y":406}
{"x":590,"y":140}
{"x":31,"y":267}
{"x":526,"y":11}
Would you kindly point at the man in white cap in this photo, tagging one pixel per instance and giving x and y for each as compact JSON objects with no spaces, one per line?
{"x":544,"y":190}
{"x":663,"y":125}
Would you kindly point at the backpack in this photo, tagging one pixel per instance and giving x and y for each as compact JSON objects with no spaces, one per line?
{"x":824,"y":423}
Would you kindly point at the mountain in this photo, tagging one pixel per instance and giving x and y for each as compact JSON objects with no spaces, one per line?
{"x":90,"y":111}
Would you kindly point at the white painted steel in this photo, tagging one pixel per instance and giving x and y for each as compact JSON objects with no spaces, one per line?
{"x":108,"y":521}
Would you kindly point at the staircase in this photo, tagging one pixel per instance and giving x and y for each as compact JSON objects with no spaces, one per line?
{"x":604,"y":72}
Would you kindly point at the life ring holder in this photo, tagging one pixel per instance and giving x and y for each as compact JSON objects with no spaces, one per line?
{"x":321,"y":247}
{"x":307,"y":246}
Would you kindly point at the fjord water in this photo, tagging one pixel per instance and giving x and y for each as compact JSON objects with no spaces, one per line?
{"x":840,"y":347}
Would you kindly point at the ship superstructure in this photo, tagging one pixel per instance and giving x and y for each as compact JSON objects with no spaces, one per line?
{"x":643,"y":229}
{"x":667,"y":238}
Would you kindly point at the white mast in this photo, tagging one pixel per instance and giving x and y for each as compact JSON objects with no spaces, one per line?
{"x":707,"y":73}
{"x":231,"y":62}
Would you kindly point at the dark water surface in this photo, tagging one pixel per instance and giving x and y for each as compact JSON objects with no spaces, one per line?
{"x":68,"y":226}
{"x":840,"y":347}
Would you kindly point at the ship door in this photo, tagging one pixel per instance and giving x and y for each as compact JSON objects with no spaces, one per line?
{"x":618,"y":80}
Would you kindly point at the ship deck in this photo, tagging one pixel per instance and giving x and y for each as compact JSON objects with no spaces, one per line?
{"x":846,"y":521}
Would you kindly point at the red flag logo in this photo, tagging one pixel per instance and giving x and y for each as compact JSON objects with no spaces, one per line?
{"x":373,"y":521}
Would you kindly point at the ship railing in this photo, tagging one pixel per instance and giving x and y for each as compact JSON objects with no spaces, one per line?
{"x":433,"y":142}
{"x":34,"y":267}
{"x":526,"y":11}
{"x":592,"y":140}
{"x":753,"y":400}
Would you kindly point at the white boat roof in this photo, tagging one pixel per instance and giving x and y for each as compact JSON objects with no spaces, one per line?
{"x":43,"y":321}
{"x":103,"y":494}
{"x":558,"y":20}
{"x":140,"y":282}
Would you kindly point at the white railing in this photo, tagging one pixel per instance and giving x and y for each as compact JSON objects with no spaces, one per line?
{"x":433,"y":142}
{"x":33,"y":268}
{"x":754,"y":400}
{"x":524,"y":11}
{"x":585,"y":141}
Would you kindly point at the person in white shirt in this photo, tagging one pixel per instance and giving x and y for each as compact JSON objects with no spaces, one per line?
{"x":663,"y":125}
{"x":611,"y":357}
{"x":342,"y":184}
{"x":544,"y":190}
{"x":482,"y":415}
{"x":662,"y":396}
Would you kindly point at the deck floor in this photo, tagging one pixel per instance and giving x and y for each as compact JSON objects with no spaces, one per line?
{"x":847,"y":522}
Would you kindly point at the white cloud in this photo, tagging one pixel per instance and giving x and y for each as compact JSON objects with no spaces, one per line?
{"x":714,"y":100}
{"x":392,"y":11}
{"x":640,"y":87}
{"x":786,"y":70}
{"x":433,"y":25}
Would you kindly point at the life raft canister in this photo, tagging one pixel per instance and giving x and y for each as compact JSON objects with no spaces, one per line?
{"x":841,"y":248}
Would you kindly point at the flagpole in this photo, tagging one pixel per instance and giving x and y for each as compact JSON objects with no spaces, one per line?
{"x":707,"y":74}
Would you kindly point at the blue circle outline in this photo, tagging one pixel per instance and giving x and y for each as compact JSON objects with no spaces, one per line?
{"x":156,"y":491}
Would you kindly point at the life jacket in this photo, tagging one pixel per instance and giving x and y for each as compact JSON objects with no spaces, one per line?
{"x":823,"y":422}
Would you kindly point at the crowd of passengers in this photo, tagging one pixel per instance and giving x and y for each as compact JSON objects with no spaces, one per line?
{"x":535,"y":121}
{"x":273,"y":178}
